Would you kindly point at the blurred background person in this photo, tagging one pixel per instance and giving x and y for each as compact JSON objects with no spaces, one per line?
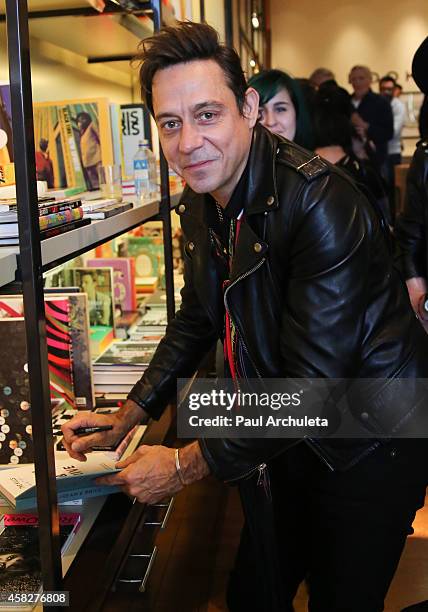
{"x":386,"y":89}
{"x":398,"y":90}
{"x":283,"y":108}
{"x":372,"y":117}
{"x":333,"y":136}
{"x":320,"y":76}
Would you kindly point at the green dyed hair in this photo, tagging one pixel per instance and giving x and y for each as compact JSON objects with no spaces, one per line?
{"x":268,"y":83}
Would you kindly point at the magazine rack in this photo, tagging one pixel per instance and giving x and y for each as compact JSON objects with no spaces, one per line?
{"x":27,"y":269}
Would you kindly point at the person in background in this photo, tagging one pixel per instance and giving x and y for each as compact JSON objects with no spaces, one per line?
{"x":398,"y":90}
{"x":333,"y":134}
{"x":320,"y":76}
{"x":372,"y":117}
{"x":386,"y":89}
{"x":412,"y":225}
{"x":282,"y":107}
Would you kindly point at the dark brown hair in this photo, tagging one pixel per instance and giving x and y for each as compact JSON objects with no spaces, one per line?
{"x":188,"y":42}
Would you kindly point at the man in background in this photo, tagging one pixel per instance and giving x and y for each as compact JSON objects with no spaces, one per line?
{"x":372,"y":117}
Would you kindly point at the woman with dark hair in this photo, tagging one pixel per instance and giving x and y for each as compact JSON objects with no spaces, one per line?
{"x":282,"y":107}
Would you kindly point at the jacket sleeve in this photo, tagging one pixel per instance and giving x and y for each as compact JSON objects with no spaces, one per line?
{"x":189,"y":336}
{"x":331,"y":235}
{"x":382,"y":129}
{"x":410,"y":228}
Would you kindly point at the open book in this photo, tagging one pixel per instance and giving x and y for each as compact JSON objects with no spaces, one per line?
{"x":74,"y":480}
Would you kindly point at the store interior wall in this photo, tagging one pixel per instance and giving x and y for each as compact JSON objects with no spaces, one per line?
{"x":382,"y":34}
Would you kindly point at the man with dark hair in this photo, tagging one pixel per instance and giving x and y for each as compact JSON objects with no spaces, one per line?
{"x":287,"y":263}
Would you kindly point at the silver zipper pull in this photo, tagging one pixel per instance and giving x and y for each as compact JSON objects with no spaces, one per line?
{"x":263,"y":480}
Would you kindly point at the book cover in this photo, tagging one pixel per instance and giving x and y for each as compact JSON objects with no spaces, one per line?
{"x":76,"y":134}
{"x":84,"y":398}
{"x":126,"y":353}
{"x":58,"y":337}
{"x":100,"y":338}
{"x":123,"y":279}
{"x":59,"y":341}
{"x":74,"y":480}
{"x":98,"y":284}
{"x":149,"y":256}
{"x":116,"y":132}
{"x":16,"y":442}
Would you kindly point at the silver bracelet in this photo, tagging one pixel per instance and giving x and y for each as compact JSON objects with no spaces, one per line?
{"x":178,"y":467}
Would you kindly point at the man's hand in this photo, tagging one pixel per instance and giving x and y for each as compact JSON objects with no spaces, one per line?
{"x":121,"y":422}
{"x":150,"y":473}
{"x":361,"y":126}
{"x":77,"y":446}
{"x":417,"y":288}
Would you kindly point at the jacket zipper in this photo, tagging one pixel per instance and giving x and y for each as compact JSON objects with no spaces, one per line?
{"x":263,"y":479}
{"x":247,"y":273}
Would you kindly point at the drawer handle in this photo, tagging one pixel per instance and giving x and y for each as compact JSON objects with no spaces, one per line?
{"x":162,"y":524}
{"x":167,"y":513}
{"x":142,"y":586}
{"x":142,"y":582}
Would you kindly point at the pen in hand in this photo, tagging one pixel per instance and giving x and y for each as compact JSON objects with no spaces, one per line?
{"x":86,"y":431}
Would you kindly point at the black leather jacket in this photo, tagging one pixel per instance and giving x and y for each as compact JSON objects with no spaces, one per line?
{"x":412,"y":225}
{"x":313,"y":293}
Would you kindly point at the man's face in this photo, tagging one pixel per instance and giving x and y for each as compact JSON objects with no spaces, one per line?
{"x":360,"y":80}
{"x":204,"y":137}
{"x":386,"y":88}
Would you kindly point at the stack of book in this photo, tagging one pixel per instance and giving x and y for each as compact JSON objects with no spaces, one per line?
{"x":121,"y":366}
{"x":55,"y":217}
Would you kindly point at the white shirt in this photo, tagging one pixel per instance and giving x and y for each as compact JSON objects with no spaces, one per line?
{"x":398,"y":114}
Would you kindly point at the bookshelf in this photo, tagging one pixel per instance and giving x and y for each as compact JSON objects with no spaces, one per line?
{"x":26,"y":265}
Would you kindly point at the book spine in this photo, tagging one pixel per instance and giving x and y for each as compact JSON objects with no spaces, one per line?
{"x":60,"y":218}
{"x":62,"y":229}
{"x":54,"y":208}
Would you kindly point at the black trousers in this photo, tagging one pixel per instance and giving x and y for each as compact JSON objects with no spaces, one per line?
{"x":342,"y":532}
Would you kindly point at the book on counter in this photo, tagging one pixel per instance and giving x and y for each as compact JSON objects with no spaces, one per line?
{"x":9,"y":229}
{"x":126,"y":354}
{"x":109,"y":211}
{"x":74,"y":480}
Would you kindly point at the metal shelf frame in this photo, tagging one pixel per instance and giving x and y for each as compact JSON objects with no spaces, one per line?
{"x":35,"y":256}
